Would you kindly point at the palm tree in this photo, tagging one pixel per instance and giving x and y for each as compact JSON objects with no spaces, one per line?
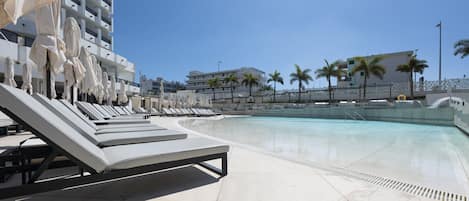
{"x":413,"y":66}
{"x":250,"y":80}
{"x":231,"y":79}
{"x":328,"y":71}
{"x":214,"y":83}
{"x":369,"y":68}
{"x":275,"y":77}
{"x":462,"y":48}
{"x":300,"y":76}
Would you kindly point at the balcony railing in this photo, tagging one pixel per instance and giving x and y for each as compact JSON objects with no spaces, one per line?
{"x":78,"y":2}
{"x":91,"y":11}
{"x":91,"y":32}
{"x":107,"y":40}
{"x":108,"y":2}
{"x":106,"y":20}
{"x":128,"y":82}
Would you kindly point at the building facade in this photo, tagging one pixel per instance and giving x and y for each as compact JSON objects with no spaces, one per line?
{"x":389,"y":61}
{"x":95,"y":18}
{"x":199,"y":81}
{"x":152,"y":86}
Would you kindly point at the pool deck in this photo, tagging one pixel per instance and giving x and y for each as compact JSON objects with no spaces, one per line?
{"x":252,"y":176}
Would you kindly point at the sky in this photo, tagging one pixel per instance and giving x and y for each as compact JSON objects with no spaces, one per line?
{"x":169,"y":38}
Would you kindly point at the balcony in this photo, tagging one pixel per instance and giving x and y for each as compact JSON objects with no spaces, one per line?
{"x":91,"y":47}
{"x":91,"y":14}
{"x":105,"y":44}
{"x":105,"y":22}
{"x":108,"y":2}
{"x":91,"y":35}
{"x":131,"y":87}
{"x":106,"y":6}
{"x":107,"y":54}
{"x":106,"y":25}
{"x":73,"y":4}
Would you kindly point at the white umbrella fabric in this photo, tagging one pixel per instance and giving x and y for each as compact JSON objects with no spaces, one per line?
{"x":160,"y":100}
{"x":27,"y":78}
{"x":48,"y":49}
{"x":99,"y":87}
{"x":74,"y":71}
{"x":105,"y":87}
{"x":89,"y":82}
{"x":11,"y":10}
{"x":122,"y":94}
{"x":9,"y":72}
{"x":113,"y":95}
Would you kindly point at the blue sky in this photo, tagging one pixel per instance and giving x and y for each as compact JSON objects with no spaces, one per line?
{"x":169,"y":38}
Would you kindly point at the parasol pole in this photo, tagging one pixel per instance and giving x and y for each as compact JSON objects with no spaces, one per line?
{"x":48,"y":76}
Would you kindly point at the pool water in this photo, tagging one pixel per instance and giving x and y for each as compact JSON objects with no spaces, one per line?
{"x":432,"y":156}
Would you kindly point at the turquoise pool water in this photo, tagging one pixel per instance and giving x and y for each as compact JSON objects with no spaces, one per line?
{"x":433,"y":156}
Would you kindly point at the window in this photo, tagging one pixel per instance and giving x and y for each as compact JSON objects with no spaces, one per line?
{"x":362,"y":73}
{"x":351,"y":62}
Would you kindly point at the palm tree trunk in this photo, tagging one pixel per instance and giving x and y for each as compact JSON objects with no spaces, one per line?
{"x":330,"y":90}
{"x":364,"y":89}
{"x":411,"y":85}
{"x":213,"y":90}
{"x":299,"y":91}
{"x":275,"y":88}
{"x":232,"y":98}
{"x":250,"y":90}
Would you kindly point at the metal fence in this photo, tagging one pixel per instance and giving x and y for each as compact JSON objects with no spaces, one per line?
{"x":387,"y":91}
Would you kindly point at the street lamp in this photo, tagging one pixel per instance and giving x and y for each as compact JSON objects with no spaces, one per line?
{"x":439,"y":70}
{"x":219,"y":62}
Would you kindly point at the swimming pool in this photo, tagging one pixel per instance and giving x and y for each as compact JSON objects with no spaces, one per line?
{"x":432,"y":156}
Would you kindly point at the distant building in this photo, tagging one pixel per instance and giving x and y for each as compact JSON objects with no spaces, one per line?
{"x":390,"y":62}
{"x":199,"y":80}
{"x":152,"y":86}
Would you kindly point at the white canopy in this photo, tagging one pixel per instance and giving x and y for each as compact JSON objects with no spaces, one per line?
{"x":74,"y":71}
{"x":9,"y":72}
{"x":122,"y":93}
{"x":47,"y":46}
{"x":27,"y":78}
{"x":160,"y":100}
{"x":11,"y":10}
{"x":113,"y":95}
{"x":105,"y":87}
{"x":99,"y":78}
{"x":89,"y":82}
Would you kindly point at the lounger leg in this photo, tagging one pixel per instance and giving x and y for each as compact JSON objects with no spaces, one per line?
{"x":81,"y":171}
{"x":44,"y":164}
{"x":224,"y":165}
{"x":3,"y":130}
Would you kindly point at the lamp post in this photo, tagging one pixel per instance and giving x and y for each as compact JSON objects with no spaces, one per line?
{"x":439,"y":69}
{"x":219,"y":62}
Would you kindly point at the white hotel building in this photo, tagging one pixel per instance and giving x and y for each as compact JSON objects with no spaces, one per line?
{"x":96,"y":21}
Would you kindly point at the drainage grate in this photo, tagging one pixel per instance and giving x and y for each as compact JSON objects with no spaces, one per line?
{"x":413,"y":189}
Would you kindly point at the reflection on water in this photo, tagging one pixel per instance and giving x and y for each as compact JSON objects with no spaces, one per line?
{"x":421,"y":154}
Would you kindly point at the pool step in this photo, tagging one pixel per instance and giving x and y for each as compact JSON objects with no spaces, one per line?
{"x":412,"y":189}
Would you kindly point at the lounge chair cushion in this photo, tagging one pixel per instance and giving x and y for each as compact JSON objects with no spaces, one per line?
{"x":135,"y":155}
{"x":129,"y":129}
{"x":139,"y":137}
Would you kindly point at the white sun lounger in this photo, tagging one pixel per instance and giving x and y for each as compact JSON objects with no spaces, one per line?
{"x":103,"y":163}
{"x":168,"y":112}
{"x":133,"y":135}
{"x":105,"y":124}
{"x":100,"y":119}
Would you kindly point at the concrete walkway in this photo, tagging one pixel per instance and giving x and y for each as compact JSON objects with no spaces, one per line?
{"x":252,"y":176}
